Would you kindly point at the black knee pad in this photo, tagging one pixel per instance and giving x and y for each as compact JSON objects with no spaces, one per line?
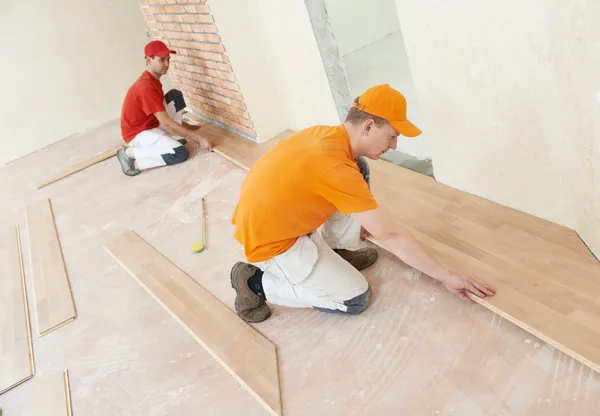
{"x":176,"y":97}
{"x":181,"y":155}
{"x":359,"y":303}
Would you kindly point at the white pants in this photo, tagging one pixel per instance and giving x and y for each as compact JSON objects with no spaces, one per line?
{"x":149,"y":146}
{"x":311,"y":275}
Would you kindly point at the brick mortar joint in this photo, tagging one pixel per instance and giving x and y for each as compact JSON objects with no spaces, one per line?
{"x":209,"y":83}
{"x":216,"y":106}
{"x":221,"y":95}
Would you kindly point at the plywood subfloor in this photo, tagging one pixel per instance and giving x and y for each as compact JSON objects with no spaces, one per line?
{"x":126,"y":356}
{"x":16,"y":354}
{"x":243,"y":352}
{"x":54,"y":305}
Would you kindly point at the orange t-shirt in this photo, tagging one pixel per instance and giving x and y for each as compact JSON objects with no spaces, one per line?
{"x":295,"y":187}
{"x":143,"y":99}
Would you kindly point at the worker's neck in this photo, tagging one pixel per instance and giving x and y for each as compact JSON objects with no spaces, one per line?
{"x":355,"y":135}
{"x":154,"y":74}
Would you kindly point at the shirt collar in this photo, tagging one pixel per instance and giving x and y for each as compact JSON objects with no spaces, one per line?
{"x":342,"y":130}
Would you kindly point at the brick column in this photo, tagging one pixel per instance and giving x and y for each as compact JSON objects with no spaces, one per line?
{"x":201,"y":68}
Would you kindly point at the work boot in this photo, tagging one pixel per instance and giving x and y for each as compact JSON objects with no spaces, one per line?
{"x":248,"y":305}
{"x":126,"y":163}
{"x":360,"y":259}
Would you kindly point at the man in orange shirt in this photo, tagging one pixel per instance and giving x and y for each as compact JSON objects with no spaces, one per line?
{"x":150,"y":122}
{"x":300,"y":214}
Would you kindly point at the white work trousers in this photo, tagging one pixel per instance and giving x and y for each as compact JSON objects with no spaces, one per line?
{"x":149,"y":146}
{"x":311,"y":275}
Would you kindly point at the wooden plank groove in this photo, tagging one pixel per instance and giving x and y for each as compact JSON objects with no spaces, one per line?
{"x":16,"y":352}
{"x":244,"y":353}
{"x":54,"y":305}
{"x":51,"y":396}
{"x":78,"y":167}
{"x":548,"y":281}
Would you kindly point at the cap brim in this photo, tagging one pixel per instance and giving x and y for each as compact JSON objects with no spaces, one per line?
{"x":164,"y":54}
{"x":406,"y":128}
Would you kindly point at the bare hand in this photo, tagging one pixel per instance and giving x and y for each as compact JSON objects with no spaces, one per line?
{"x":461,"y":285}
{"x":205,"y":143}
{"x":364,"y":234}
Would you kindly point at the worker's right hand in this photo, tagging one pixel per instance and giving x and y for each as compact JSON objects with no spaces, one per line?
{"x":462,"y":285}
{"x":205,"y":143}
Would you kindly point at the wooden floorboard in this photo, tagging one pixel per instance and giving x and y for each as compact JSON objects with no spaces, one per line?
{"x":249,"y":357}
{"x":51,"y":396}
{"x":547,"y":280}
{"x":80,"y":166}
{"x":54,"y":305}
{"x":16,"y":354}
{"x":512,"y":251}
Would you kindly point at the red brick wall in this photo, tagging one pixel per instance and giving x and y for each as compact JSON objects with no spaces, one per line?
{"x":201,"y":68}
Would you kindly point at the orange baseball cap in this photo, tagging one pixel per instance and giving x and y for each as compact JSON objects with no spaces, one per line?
{"x":385,"y":102}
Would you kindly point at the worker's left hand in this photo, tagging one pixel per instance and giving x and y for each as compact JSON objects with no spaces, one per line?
{"x":460,"y":285}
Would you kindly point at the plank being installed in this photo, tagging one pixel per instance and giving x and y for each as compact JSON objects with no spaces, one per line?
{"x":78,"y":167}
{"x":243,"y":352}
{"x":51,"y":396}
{"x":16,"y":354}
{"x":547,"y":281}
{"x":54,"y":305}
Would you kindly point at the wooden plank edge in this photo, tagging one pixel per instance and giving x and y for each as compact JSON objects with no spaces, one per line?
{"x":67,"y":392}
{"x":65,"y":173}
{"x":483,"y":302}
{"x":16,"y":384}
{"x":47,"y":330}
{"x":27,"y":317}
{"x":25,"y":303}
{"x":55,"y":327}
{"x":264,"y":404}
{"x":232,"y":160}
{"x":535,"y":332}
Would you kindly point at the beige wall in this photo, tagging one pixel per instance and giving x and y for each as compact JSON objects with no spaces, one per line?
{"x":356,"y":23}
{"x":66,"y":65}
{"x":506,"y":90}
{"x":277,"y":63}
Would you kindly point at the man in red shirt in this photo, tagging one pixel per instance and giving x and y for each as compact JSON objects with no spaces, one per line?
{"x":150,"y":121}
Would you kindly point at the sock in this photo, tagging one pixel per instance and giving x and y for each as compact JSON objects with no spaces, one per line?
{"x":255,"y":283}
{"x":129,"y":153}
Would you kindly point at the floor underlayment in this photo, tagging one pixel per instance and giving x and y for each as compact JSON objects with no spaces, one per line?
{"x":415,"y":351}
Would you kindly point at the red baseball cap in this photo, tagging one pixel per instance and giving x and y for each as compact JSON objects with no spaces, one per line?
{"x":157,"y":48}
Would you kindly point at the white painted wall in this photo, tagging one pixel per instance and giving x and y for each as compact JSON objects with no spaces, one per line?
{"x":277,"y":63}
{"x":507,"y":91}
{"x":357,"y":23}
{"x":66,"y":66}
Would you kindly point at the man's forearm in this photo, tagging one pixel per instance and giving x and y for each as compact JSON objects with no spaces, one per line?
{"x":178,"y":130}
{"x":410,"y":251}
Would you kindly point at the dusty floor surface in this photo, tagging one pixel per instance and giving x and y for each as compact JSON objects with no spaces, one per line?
{"x":415,"y":351}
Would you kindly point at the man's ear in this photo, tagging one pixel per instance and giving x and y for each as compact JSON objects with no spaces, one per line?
{"x":367,"y":126}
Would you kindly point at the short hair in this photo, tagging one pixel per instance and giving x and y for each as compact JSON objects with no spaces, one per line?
{"x":356,"y":116}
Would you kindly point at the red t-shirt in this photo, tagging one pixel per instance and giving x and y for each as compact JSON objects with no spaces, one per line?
{"x":143,"y":99}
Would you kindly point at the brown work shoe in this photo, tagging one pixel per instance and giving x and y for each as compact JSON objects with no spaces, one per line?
{"x":360,"y":259}
{"x":248,"y":305}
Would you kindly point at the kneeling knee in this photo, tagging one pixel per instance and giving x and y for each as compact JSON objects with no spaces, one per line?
{"x":181,"y":154}
{"x":359,"y":303}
